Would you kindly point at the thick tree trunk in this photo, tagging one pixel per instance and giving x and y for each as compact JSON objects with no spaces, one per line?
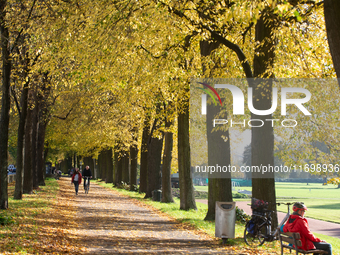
{"x":133,"y":166}
{"x":19,"y":177}
{"x":220,"y":188}
{"x":74,"y":160}
{"x":109,"y":166}
{"x":125,"y":164}
{"x":99,"y":166}
{"x":262,"y":139}
{"x":95,"y":169}
{"x":143,"y":179}
{"x":119,"y":167}
{"x":155,"y":146}
{"x":28,"y":171}
{"x":78,"y":159}
{"x":41,"y":168}
{"x":332,"y":19}
{"x":166,"y":167}
{"x":6,"y":104}
{"x":42,"y":96}
{"x":103,"y":164}
{"x":187,"y":197}
{"x":34,"y":142}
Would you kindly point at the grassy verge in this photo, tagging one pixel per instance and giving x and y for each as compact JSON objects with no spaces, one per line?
{"x":21,"y":227}
{"x":36,"y":224}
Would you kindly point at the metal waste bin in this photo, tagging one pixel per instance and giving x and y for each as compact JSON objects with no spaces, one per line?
{"x":225,"y":218}
{"x":157,"y":195}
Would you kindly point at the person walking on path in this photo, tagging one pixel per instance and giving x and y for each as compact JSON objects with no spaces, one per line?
{"x":76,"y":179}
{"x":87,"y":173}
{"x":298,"y":223}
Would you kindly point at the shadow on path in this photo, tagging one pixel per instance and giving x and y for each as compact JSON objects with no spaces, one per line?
{"x":110,"y":223}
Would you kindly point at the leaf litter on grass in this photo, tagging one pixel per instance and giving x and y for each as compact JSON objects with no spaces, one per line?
{"x":43,"y":224}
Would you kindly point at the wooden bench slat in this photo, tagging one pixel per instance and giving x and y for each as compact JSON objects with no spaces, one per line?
{"x":291,"y":234}
{"x":291,"y":240}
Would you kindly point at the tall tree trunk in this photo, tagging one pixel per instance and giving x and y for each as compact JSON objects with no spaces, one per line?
{"x":99,"y":166}
{"x":119,"y":167}
{"x":133,"y":165}
{"x":187,"y":197}
{"x":19,"y":177}
{"x":6,"y":104}
{"x":166,"y":167}
{"x":103,"y":164}
{"x":41,"y":169}
{"x":75,"y":160}
{"x":143,"y":179}
{"x":262,"y":139}
{"x":332,"y":19}
{"x":28,"y":171}
{"x":125,"y":164}
{"x":34,"y":142}
{"x":78,"y":159}
{"x":220,"y":188}
{"x":109,"y":166}
{"x":42,"y":97}
{"x":155,"y":146}
{"x":95,"y":169}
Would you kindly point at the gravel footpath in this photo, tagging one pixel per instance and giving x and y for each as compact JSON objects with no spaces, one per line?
{"x":110,"y":223}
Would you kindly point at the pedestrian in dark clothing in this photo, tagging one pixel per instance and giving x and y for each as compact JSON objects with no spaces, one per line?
{"x":87,"y":173}
{"x":76,"y":179}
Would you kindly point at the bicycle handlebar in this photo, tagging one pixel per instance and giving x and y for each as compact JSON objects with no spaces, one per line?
{"x":284,"y":204}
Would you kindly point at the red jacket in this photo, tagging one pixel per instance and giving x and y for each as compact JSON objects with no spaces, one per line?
{"x":79,"y":179}
{"x":296,"y":223}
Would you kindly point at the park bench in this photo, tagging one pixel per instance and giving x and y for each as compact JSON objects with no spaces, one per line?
{"x":294,"y":239}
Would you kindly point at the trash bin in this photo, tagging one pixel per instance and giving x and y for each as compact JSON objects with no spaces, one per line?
{"x":157,"y":195}
{"x":225,"y":218}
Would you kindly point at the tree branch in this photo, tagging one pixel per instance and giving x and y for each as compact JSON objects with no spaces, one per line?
{"x":16,"y":100}
{"x":22,"y":29}
{"x":236,"y":49}
{"x":63,"y":118}
{"x":246,"y":31}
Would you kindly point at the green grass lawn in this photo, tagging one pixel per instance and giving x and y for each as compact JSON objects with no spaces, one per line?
{"x":196,"y":219}
{"x":323,"y":201}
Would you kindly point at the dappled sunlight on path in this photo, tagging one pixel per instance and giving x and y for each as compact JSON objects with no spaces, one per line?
{"x":112,"y":223}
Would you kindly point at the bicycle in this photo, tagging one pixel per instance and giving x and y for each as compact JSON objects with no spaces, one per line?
{"x":87,"y":184}
{"x":258,"y":229}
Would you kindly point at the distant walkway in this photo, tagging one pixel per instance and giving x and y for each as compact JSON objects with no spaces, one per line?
{"x":317,"y":226}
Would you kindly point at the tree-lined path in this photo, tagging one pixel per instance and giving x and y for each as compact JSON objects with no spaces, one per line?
{"x":111,"y":223}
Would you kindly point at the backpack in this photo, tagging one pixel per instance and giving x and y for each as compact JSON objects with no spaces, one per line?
{"x":251,"y":227}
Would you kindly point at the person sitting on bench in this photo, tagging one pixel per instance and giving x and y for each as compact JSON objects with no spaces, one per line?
{"x":298,"y":223}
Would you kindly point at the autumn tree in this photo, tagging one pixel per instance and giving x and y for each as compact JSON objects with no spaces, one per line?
{"x":331,"y":10}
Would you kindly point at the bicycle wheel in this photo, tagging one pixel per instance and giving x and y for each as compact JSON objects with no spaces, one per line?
{"x":256,"y":236}
{"x":86,"y":189}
